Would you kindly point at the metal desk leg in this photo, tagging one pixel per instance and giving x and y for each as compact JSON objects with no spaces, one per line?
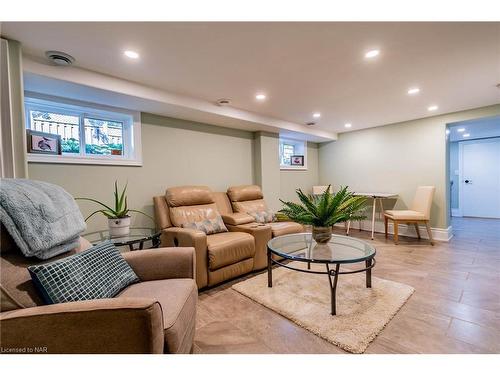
{"x":373,"y":215}
{"x":381,"y":208}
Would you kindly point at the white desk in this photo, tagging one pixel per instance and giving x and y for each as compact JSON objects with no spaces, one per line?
{"x":376,"y":197}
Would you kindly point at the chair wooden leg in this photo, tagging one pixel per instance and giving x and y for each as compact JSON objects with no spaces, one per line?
{"x":396,"y":239}
{"x":429,"y":232}
{"x":417,"y":229}
{"x":386,"y":225}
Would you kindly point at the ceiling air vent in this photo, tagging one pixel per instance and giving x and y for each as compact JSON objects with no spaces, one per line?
{"x":60,"y":58}
{"x":223,"y":102}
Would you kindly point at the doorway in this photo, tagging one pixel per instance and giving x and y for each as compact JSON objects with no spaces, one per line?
{"x":474,"y":154}
{"x":479,"y":178}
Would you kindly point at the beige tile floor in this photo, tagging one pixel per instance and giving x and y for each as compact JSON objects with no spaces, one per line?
{"x":455,"y":309}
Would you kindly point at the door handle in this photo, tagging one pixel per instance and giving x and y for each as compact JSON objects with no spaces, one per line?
{"x":468,"y":181}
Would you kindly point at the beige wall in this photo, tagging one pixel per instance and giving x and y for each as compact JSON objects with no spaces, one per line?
{"x":303,"y":179}
{"x":12,"y":126}
{"x":281,"y":184}
{"x":396,"y":158}
{"x":267,"y":167}
{"x":178,"y":152}
{"x":175,"y":152}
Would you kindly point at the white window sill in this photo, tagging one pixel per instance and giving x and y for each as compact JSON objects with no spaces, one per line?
{"x":65,"y":159}
{"x":290,"y":168}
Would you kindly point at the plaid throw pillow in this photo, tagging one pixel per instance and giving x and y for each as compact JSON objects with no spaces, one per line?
{"x":263,"y":216}
{"x":96,"y":273}
{"x":209,"y":226}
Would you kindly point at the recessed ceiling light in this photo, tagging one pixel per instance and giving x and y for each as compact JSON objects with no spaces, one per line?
{"x":260,"y":97}
{"x":432,"y":108}
{"x":466,"y":135}
{"x":460,"y":130}
{"x":131,"y":54}
{"x":371,"y":54}
{"x":317,"y":115}
{"x":348,"y":125}
{"x":413,"y":91}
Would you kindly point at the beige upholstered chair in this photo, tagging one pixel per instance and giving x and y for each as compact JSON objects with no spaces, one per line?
{"x":157,"y":315}
{"x":419,"y":213}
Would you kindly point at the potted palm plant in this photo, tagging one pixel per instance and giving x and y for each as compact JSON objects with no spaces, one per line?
{"x":324,"y":211}
{"x":118,"y":216}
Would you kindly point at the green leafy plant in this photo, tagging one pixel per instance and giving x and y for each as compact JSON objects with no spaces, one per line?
{"x":120,"y":209}
{"x":70,"y":145}
{"x":326,"y":209}
{"x":102,"y":149}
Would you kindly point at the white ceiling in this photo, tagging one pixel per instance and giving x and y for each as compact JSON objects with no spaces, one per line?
{"x":302,"y":67}
{"x":480,"y":128}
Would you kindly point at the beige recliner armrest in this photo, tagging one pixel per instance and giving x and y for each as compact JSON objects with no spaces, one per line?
{"x":184,"y":237}
{"x":163,"y":263}
{"x":116,"y":325}
{"x":237,"y":218}
{"x":261,"y":233}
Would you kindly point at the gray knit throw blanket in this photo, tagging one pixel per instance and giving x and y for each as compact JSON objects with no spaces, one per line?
{"x":43,"y":219}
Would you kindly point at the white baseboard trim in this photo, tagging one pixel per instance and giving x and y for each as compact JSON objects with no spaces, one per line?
{"x":456,"y":212}
{"x":439,"y":234}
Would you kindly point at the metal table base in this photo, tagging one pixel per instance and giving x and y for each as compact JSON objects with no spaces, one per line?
{"x":333,"y":274}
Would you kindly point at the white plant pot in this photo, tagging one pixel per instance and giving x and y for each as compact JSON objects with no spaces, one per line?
{"x":119,"y":227}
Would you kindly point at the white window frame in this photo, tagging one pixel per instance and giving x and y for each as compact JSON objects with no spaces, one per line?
{"x":131,"y":136}
{"x":295,"y":143}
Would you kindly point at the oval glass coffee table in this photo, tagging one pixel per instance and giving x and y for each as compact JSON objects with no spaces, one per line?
{"x":339,"y":250}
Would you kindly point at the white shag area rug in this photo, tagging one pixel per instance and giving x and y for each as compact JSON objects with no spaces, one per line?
{"x":305,"y":299}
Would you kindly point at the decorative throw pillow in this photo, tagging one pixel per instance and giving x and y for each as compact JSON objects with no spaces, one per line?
{"x":98,"y":272}
{"x":209,"y":226}
{"x":263,"y":216}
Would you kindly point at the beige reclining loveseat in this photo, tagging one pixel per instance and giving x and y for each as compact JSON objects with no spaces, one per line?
{"x":220,"y":256}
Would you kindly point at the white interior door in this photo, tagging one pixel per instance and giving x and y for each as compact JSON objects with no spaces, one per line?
{"x":480,"y":178}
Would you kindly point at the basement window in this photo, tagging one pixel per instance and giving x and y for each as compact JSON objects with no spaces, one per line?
{"x":89,"y":134}
{"x":293,"y":154}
